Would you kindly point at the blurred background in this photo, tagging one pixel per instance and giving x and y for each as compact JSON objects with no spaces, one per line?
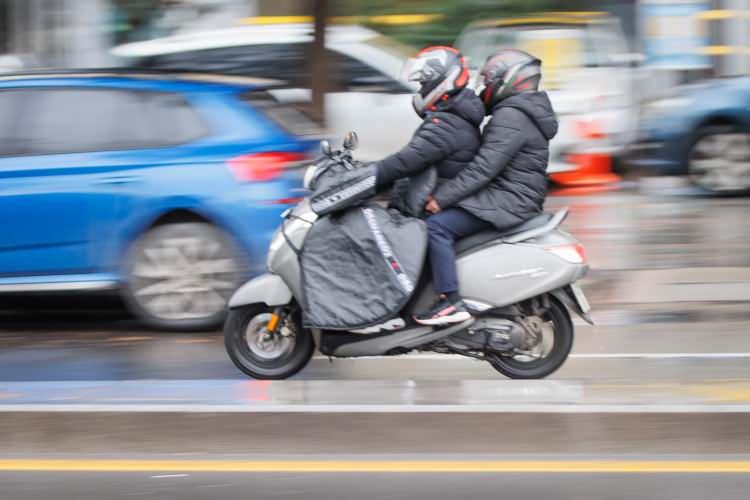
{"x":148,"y":147}
{"x":651,"y":96}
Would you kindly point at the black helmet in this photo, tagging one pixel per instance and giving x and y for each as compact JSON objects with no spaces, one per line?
{"x":440,"y":72}
{"x":508,"y":72}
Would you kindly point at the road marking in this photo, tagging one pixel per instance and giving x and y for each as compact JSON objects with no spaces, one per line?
{"x":405,"y":407}
{"x":592,"y":355}
{"x":391,"y":466}
{"x":663,"y":355}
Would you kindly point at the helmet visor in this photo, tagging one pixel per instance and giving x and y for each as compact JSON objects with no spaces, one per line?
{"x":426,"y":67}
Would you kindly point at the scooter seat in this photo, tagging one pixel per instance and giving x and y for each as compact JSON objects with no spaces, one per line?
{"x":478,"y":239}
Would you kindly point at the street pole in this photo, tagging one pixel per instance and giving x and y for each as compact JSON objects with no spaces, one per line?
{"x":318,"y":60}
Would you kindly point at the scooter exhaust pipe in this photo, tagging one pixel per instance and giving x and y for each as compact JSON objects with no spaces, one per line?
{"x":405,"y":339}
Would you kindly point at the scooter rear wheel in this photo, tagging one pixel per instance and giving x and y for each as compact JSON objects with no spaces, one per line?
{"x":516,"y":367}
{"x":261,"y":354}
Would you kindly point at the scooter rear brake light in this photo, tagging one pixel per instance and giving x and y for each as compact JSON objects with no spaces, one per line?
{"x":575,"y":254}
{"x":262,"y":166}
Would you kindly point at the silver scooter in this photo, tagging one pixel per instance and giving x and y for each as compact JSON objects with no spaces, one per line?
{"x":519,"y":284}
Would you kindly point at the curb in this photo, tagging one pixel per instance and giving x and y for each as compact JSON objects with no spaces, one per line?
{"x":376,"y":430}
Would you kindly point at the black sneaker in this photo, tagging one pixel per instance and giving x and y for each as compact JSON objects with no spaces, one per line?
{"x":444,"y":312}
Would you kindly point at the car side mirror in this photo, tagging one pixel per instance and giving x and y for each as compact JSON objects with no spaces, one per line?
{"x":351,"y":141}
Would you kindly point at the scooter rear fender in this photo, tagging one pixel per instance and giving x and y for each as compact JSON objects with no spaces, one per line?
{"x":267,"y":289}
{"x":502,"y":274}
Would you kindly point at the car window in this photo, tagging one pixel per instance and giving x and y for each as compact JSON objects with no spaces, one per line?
{"x":353,"y":74}
{"x":286,"y":62}
{"x":561,"y":48}
{"x":11,"y":113}
{"x":171,"y":120}
{"x":76,"y":120}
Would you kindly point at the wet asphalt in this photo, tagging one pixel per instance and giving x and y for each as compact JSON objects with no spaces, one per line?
{"x":381,"y":486}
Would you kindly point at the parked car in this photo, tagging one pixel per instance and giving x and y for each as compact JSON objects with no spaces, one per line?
{"x":366,"y":95}
{"x":166,"y":188}
{"x":701,"y":130}
{"x":587,"y":71}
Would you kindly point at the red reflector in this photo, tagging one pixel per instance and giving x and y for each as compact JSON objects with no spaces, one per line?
{"x":262,"y":166}
{"x":575,"y":254}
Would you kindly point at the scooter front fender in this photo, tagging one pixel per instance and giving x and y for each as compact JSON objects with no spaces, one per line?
{"x":267,"y":289}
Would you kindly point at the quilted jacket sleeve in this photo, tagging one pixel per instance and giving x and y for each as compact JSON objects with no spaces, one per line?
{"x":432,"y":142}
{"x":503,"y":137}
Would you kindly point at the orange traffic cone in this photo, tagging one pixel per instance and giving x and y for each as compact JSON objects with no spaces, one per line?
{"x":593,"y":168}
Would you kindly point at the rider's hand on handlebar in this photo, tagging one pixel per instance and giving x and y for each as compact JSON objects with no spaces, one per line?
{"x":432,"y":206}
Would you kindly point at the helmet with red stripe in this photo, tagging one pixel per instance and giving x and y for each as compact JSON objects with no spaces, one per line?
{"x":440,"y":72}
{"x":508,"y":72}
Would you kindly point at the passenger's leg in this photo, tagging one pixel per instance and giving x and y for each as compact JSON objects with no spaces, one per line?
{"x":444,"y":228}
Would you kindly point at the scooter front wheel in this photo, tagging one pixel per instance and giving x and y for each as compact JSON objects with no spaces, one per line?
{"x":548,"y":354}
{"x":264,"y":354}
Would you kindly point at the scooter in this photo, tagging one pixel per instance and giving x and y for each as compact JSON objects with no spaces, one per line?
{"x":519,"y":285}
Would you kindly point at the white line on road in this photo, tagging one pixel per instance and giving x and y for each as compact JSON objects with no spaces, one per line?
{"x":572,"y":408}
{"x":592,"y":355}
{"x":663,"y":355}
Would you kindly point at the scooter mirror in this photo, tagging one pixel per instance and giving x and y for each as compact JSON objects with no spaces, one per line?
{"x":325,"y":148}
{"x":351,"y":141}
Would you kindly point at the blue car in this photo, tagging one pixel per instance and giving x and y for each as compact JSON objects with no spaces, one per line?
{"x":703,"y":131}
{"x":164,"y":187}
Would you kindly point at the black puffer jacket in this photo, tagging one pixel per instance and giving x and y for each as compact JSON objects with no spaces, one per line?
{"x":447,"y":139}
{"x":506,"y":182}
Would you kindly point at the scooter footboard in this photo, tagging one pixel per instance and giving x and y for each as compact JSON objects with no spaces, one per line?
{"x":267,"y":289}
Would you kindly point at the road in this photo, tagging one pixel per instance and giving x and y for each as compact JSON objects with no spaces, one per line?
{"x":380,"y":486}
{"x":655,"y":397}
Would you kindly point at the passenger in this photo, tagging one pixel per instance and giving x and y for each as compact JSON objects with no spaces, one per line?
{"x":503,"y":186}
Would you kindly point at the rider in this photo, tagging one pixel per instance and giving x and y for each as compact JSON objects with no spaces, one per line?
{"x":449,"y":136}
{"x":504,"y":185}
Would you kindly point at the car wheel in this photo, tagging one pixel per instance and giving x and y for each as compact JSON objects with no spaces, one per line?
{"x":180,"y":276}
{"x":719,"y":160}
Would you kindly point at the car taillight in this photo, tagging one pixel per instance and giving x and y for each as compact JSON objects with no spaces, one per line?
{"x":262,"y":166}
{"x":574,"y":254}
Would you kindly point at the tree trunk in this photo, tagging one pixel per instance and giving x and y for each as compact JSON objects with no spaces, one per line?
{"x":319,"y":63}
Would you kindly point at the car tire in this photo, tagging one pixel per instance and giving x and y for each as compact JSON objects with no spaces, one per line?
{"x":179,"y":276}
{"x":718,"y":160}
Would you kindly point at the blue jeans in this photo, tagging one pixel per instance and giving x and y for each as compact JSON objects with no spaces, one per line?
{"x":443,"y":229}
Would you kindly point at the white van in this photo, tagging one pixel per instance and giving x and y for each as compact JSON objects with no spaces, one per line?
{"x":586,"y":69}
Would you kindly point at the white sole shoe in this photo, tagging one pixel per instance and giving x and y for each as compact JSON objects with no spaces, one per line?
{"x":451,"y":319}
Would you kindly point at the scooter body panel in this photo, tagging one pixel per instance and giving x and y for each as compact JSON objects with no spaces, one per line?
{"x":505,"y":274}
{"x":269,"y":289}
{"x":500,"y":274}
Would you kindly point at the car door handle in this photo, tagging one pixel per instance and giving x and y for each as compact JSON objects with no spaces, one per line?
{"x":117,"y":180}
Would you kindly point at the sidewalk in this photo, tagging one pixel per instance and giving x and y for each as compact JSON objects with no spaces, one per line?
{"x":356,"y":417}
